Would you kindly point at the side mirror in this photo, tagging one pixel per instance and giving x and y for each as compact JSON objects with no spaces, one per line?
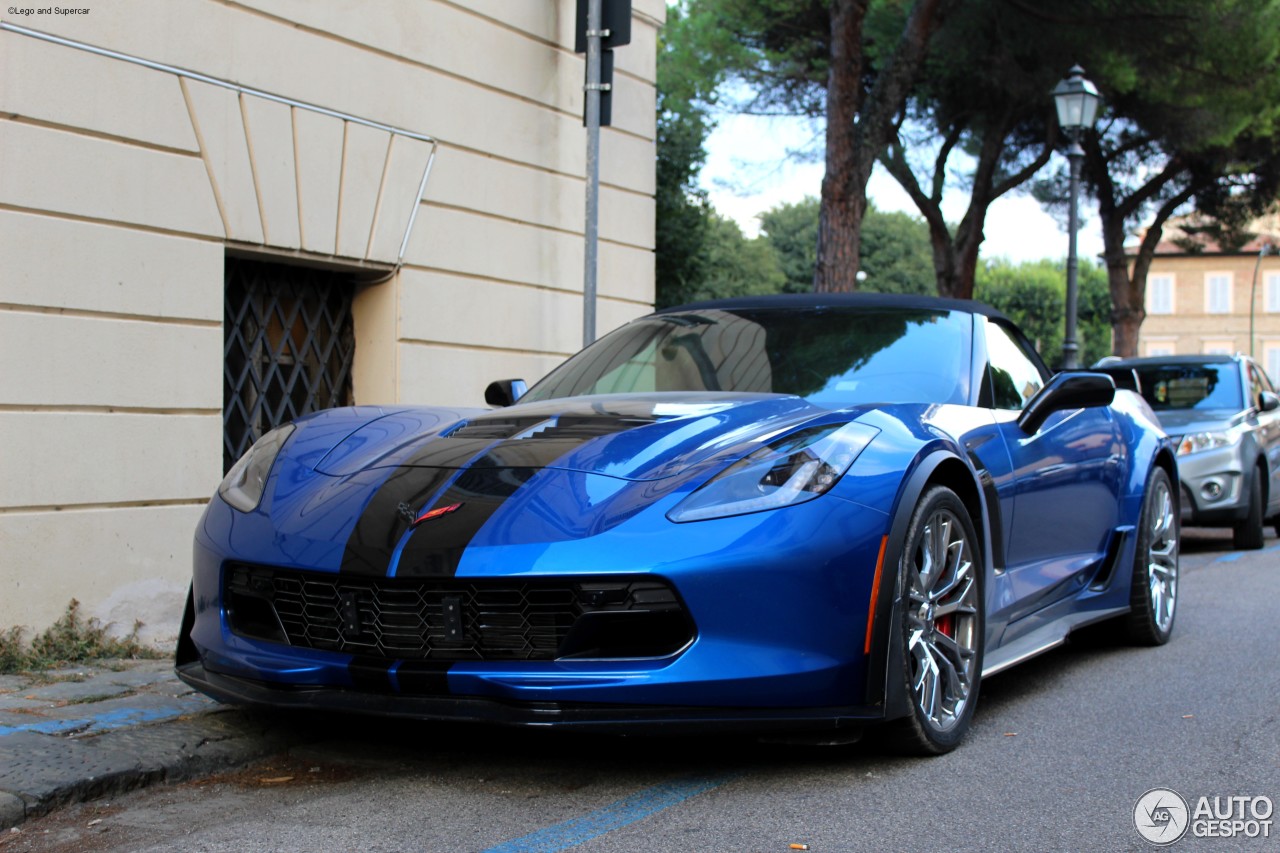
{"x":1268,"y":402}
{"x":504,"y":392}
{"x":1067,"y":391}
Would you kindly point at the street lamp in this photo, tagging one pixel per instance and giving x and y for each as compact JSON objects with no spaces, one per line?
{"x":1267,"y":249}
{"x":1077,"y":102}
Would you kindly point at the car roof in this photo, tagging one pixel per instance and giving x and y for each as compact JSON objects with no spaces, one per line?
{"x":1172,"y":360}
{"x":811,"y":301}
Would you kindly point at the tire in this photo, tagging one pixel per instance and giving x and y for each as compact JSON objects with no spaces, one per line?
{"x":940,"y":584}
{"x":1153,"y":595}
{"x":1246,"y":534}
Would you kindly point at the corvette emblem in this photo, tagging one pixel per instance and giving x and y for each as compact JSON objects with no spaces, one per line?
{"x":437,"y":512}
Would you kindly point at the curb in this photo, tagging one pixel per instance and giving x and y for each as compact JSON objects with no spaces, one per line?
{"x":42,"y":772}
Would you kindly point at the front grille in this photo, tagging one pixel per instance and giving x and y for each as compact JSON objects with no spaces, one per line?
{"x":455,"y":619}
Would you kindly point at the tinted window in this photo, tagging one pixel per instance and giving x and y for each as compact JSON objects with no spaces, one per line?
{"x":834,"y":357}
{"x":1191,"y":386}
{"x":1015,"y":374}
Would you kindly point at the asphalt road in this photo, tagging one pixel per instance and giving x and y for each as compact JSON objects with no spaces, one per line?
{"x":1062,"y":747}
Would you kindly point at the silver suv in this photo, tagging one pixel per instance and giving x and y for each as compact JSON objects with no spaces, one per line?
{"x":1222,"y":413}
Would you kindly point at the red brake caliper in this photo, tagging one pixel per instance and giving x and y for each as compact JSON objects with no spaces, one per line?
{"x":946,"y":625}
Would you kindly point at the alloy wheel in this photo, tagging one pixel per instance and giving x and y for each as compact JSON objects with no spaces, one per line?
{"x":942,"y":619}
{"x":1162,"y":556}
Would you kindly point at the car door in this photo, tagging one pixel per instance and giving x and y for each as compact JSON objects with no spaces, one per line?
{"x":1267,"y":432}
{"x":1066,"y":487}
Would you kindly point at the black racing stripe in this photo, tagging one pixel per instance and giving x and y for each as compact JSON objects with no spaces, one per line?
{"x":435,"y":547}
{"x":387,"y":516}
{"x":493,"y":471}
{"x":423,"y":678}
{"x":371,"y":675}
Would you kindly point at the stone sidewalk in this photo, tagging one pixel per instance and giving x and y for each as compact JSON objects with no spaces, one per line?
{"x":94,"y":731}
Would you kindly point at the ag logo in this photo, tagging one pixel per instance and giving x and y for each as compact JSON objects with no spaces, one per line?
{"x":1161,"y":816}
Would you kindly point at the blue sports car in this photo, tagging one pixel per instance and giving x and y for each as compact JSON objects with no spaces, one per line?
{"x":796,"y":513}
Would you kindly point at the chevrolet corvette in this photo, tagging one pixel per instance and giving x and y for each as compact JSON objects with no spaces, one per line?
{"x":793,"y":514}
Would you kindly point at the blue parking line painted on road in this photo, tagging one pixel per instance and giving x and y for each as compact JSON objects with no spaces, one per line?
{"x":1235,"y":555}
{"x":616,"y":815}
{"x":119,"y":718}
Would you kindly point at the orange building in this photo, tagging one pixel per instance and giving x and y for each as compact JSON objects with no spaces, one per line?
{"x":1203,"y":298}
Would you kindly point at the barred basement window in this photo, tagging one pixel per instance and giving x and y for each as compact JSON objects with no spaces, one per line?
{"x":288,"y":348}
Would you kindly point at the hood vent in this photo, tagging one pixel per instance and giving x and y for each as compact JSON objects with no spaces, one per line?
{"x":574,"y":427}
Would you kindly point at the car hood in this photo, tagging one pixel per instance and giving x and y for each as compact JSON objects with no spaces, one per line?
{"x":419,"y":491}
{"x":630,"y":437}
{"x":1183,"y":421}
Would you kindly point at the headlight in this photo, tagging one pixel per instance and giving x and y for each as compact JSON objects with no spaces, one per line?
{"x":245,"y":482}
{"x":1197,"y":442}
{"x":793,"y":469}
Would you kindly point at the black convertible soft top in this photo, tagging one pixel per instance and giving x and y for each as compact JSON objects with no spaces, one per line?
{"x":809,"y":301}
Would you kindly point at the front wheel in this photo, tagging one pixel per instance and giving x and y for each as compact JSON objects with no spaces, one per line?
{"x":1247,"y":534}
{"x":940,"y":585}
{"x":1153,"y":595}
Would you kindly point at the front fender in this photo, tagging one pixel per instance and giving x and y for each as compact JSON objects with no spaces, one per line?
{"x":885,"y":686}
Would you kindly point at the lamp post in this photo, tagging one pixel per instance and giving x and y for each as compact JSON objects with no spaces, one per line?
{"x":1077,"y":102}
{"x":1267,"y":249}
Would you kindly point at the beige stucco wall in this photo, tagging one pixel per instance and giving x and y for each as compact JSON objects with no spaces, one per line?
{"x":122,"y":186}
{"x":1190,"y":328}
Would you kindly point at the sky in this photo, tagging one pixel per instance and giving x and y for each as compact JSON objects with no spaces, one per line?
{"x":749,"y":170}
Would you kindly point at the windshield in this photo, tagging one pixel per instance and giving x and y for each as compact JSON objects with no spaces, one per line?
{"x":1192,"y":386}
{"x":834,"y":357}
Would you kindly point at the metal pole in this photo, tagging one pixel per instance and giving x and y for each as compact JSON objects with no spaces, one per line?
{"x":593,"y":171}
{"x":1069,"y":349}
{"x":1266,"y":249}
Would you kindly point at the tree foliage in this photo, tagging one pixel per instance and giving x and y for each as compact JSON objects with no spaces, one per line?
{"x":1191,"y":115}
{"x":685,"y":94}
{"x":895,"y":248}
{"x":1033,"y":294}
{"x":980,"y":118}
{"x":815,"y":58}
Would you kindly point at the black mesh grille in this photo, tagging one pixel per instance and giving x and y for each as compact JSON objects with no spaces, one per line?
{"x":452,"y":619}
{"x":288,"y":346}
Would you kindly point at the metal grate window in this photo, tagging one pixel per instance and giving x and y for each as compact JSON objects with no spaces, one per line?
{"x":288,"y":348}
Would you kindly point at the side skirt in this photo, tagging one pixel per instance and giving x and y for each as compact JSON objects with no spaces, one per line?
{"x":1042,"y":640}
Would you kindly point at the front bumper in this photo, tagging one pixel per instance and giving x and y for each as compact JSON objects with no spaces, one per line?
{"x":780,"y":602}
{"x":576,"y":715}
{"x":1214,"y":487}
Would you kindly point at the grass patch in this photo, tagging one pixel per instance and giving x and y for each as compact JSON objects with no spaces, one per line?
{"x":71,"y":640}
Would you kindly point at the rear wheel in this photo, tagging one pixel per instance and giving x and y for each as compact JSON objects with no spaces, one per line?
{"x":940,"y":583}
{"x":1153,"y":596}
{"x":1247,"y":534}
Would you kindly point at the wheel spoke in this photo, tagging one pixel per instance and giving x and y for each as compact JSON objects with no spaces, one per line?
{"x":941,"y":603}
{"x":957,"y":602}
{"x":1162,"y":557}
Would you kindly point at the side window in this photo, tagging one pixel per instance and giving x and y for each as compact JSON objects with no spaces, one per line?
{"x":1257,"y":384}
{"x":1015,"y":373}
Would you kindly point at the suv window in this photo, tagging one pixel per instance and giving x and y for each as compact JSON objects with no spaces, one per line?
{"x":1015,"y":374}
{"x":1192,"y":386}
{"x":1257,"y":384}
